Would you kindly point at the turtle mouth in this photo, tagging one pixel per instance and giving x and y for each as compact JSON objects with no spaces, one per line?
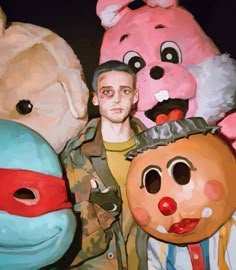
{"x":167,"y":110}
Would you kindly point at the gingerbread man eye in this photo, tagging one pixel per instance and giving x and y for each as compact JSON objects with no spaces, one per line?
{"x":180,"y":169}
{"x":134,"y":60}
{"x":151,"y":179}
{"x":181,"y":173}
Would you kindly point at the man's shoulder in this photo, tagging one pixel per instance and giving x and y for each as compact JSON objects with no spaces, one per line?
{"x":86,"y":134}
{"x":89,"y":130}
{"x":136,"y":124}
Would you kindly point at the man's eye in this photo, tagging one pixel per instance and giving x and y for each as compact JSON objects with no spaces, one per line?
{"x":125,"y":91}
{"x":107,"y":92}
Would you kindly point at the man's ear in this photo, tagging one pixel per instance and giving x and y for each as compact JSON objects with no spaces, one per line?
{"x":135,"y":96}
{"x":94,"y":99}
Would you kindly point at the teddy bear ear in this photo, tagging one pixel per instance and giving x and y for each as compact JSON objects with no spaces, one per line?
{"x":76,"y":91}
{"x":3,"y":19}
{"x":111,"y":11}
{"x":161,"y":3}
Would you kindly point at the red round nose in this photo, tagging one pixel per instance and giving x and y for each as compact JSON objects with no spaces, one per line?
{"x":167,"y":206}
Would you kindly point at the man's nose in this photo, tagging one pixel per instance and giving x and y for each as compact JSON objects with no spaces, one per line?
{"x":117,"y":97}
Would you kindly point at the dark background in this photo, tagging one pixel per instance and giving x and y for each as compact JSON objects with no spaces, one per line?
{"x":76,"y":21}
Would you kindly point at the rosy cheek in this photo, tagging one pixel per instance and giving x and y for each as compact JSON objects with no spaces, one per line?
{"x":214,"y":190}
{"x":141,"y":216}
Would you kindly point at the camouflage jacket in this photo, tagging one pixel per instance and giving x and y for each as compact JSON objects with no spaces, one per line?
{"x":84,"y":158}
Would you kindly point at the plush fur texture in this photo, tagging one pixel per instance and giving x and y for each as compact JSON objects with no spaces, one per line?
{"x":41,"y":82}
{"x":215,"y":92}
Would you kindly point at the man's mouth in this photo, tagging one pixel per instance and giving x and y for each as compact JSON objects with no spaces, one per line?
{"x":117,"y":110}
{"x":186,"y":225}
{"x":168,"y":110}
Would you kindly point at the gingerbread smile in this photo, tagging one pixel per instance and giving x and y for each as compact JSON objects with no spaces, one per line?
{"x":186,"y":225}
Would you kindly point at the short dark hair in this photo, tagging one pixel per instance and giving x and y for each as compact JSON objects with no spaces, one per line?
{"x":112,"y":65}
{"x":169,"y":132}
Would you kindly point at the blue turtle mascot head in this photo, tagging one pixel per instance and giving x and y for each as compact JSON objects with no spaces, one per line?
{"x":37,"y":225}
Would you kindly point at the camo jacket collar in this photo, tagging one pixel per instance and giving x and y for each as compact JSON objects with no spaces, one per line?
{"x":91,"y":137}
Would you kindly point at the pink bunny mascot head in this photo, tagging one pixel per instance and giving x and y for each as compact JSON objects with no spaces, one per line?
{"x":180,"y":71}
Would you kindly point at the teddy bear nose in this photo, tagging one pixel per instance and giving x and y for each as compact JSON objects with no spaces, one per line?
{"x":157,"y":72}
{"x":167,"y":206}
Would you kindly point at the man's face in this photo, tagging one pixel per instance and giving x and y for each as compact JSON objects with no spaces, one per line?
{"x":115,"y":95}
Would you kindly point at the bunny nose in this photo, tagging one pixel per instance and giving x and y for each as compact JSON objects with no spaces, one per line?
{"x":167,"y":206}
{"x":157,"y":72}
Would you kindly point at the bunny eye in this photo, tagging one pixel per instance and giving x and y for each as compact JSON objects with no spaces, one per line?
{"x":170,"y":52}
{"x":134,"y":60}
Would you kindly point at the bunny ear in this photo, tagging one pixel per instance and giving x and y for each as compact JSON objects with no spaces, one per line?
{"x":161,"y":3}
{"x":2,"y":22}
{"x":111,"y":11}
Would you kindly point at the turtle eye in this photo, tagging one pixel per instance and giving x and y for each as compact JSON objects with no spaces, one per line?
{"x":24,"y":106}
{"x":26,"y":196}
{"x":24,"y":193}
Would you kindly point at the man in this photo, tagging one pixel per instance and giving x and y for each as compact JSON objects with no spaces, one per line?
{"x":97,"y":169}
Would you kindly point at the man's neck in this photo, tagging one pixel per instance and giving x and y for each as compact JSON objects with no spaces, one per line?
{"x":116,"y":132}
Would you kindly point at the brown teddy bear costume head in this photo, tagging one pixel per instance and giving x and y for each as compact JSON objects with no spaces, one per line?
{"x":41,"y":82}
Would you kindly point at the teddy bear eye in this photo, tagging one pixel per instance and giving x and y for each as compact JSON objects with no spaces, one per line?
{"x":24,"y":106}
{"x":170,"y":52}
{"x":134,"y":60}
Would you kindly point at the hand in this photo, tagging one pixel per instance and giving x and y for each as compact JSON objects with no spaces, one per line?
{"x":107,"y":199}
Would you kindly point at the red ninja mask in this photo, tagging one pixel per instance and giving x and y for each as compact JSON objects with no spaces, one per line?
{"x":31,"y":194}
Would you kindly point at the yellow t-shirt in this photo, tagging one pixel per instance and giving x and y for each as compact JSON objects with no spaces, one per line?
{"x":119,"y":167}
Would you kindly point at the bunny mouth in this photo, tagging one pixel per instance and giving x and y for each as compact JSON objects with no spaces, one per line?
{"x":168,"y":110}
